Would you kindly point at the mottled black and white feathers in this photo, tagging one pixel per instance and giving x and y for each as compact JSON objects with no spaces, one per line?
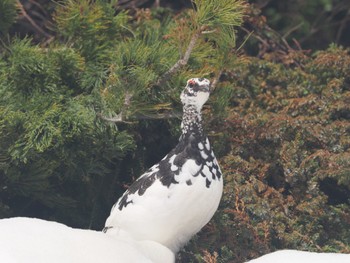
{"x":176,"y":197}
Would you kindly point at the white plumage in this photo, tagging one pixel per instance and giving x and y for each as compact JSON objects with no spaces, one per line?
{"x":28,"y":240}
{"x":175,"y":198}
{"x":173,"y":226}
{"x":297,"y":256}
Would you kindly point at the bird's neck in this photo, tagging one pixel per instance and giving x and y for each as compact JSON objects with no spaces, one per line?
{"x":192,"y":121}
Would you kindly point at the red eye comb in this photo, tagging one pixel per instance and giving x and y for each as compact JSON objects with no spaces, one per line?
{"x":191,"y":82}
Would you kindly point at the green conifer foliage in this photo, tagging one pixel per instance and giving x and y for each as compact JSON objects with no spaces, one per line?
{"x":91,"y":27}
{"x":60,"y":159}
{"x":53,"y":145}
{"x":8,"y":15}
{"x":84,"y":114}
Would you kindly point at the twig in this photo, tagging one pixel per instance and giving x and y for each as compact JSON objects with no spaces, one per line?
{"x":159,"y":116}
{"x":215,"y":81}
{"x":342,"y":26}
{"x":34,"y":2}
{"x":117,"y":118}
{"x":126,"y":105}
{"x":208,"y":31}
{"x":182,"y":61}
{"x":156,"y":4}
{"x":291,"y":30}
{"x":31,"y":21}
{"x":264,"y":42}
{"x":297,"y":44}
{"x":245,"y":40}
{"x":121,"y":116}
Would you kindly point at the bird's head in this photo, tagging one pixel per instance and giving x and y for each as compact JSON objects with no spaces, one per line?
{"x":196,"y":92}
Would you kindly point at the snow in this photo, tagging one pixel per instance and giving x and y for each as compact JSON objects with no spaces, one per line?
{"x":29,"y":240}
{"x":296,"y":256}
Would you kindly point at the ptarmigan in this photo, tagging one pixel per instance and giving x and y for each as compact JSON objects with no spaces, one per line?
{"x":176,"y":197}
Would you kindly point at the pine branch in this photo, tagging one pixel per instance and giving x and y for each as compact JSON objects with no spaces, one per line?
{"x":182,"y":61}
{"x":159,"y":116}
{"x":210,"y":17}
{"x":115,"y":119}
{"x":121,"y":116}
{"x":215,"y":81}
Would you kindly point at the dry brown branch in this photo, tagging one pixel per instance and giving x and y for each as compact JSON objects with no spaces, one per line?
{"x":122,"y":116}
{"x":215,"y":81}
{"x":184,"y":60}
{"x":160,"y":116}
{"x":210,"y":258}
{"x":31,"y":21}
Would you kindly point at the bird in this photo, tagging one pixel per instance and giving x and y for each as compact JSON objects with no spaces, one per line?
{"x":32,"y":240}
{"x":153,"y":219}
{"x":175,"y":198}
{"x":292,"y":256}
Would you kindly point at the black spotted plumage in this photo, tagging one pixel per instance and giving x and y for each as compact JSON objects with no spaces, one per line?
{"x":186,"y":149}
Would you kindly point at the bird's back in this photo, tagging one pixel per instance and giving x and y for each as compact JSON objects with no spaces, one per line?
{"x":174,"y":199}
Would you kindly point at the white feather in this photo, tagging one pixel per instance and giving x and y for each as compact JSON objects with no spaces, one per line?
{"x":296,"y":256}
{"x":168,"y":215}
{"x":29,"y":240}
